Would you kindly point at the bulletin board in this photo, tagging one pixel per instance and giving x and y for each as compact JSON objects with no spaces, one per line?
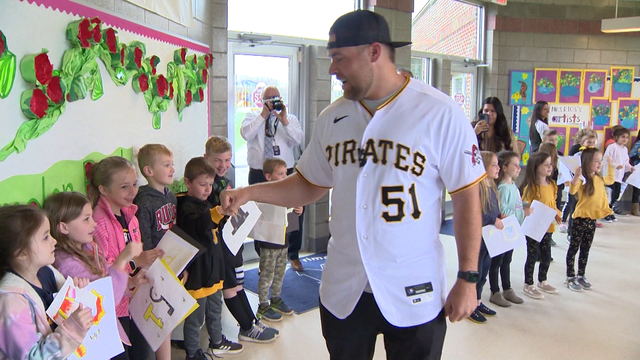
{"x":115,"y":118}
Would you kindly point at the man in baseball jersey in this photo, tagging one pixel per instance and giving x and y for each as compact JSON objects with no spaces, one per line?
{"x":388,"y":149}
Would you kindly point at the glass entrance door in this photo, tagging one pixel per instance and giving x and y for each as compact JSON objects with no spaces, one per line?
{"x":463,"y":87}
{"x":253,"y":67}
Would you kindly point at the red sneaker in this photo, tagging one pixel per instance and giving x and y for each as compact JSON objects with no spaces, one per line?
{"x":599,"y":224}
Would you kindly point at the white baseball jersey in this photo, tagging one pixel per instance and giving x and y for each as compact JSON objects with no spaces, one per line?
{"x":385,"y":215}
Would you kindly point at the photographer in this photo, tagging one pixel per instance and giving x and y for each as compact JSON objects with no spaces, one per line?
{"x":273,"y":133}
{"x":491,"y":127}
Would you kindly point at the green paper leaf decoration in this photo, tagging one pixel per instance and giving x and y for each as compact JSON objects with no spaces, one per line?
{"x":7,"y":68}
{"x":34,"y":103}
{"x":78,"y":89}
{"x":157,"y":121}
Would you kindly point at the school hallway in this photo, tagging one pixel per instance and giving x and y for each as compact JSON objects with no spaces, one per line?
{"x":596,"y":324}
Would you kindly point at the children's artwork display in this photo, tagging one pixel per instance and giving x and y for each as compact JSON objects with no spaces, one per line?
{"x":102,"y":340}
{"x":500,"y":241}
{"x":562,"y":138}
{"x":565,"y":114}
{"x":594,"y":85}
{"x":272,"y":224}
{"x":600,"y":113}
{"x":237,"y":228}
{"x":546,"y":85}
{"x":621,"y":82}
{"x":536,"y":224}
{"x":179,"y":248}
{"x":570,"y":85}
{"x":521,"y":123}
{"x":520,"y":87}
{"x":88,"y":83}
{"x":628,"y":113}
{"x":573,"y":131}
{"x":158,"y":306}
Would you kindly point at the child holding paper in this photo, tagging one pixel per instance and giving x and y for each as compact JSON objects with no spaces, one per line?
{"x":510,"y":204}
{"x":27,"y":285}
{"x":490,"y":216}
{"x":618,"y":153}
{"x":538,"y":185}
{"x":206,"y":272}
{"x":273,"y":257}
{"x":592,"y":205}
{"x":218,"y":155}
{"x":552,"y":150}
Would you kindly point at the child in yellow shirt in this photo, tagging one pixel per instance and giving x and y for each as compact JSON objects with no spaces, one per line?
{"x":538,"y":185}
{"x":592,"y":204}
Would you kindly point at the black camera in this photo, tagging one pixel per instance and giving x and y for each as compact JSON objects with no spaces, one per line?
{"x":276,"y":104}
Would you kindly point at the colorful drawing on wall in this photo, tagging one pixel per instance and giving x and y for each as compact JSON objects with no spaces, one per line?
{"x":546,"y":85}
{"x":621,"y":82}
{"x":7,"y":67}
{"x":570,"y":85}
{"x":562,"y":138}
{"x":520,"y":87}
{"x":594,"y":85}
{"x":600,"y":110}
{"x":628,"y":113}
{"x":573,"y":130}
{"x":521,"y":124}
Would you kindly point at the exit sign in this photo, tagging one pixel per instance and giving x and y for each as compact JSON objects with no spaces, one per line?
{"x":500,"y":2}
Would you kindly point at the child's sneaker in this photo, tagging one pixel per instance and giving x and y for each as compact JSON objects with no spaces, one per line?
{"x":583,"y":281}
{"x":532,"y":292}
{"x":609,"y":218}
{"x":280,"y":307}
{"x":599,"y":224}
{"x":226,"y":346}
{"x":614,"y":218}
{"x":200,"y":355}
{"x":265,"y":327}
{"x":485,"y":310}
{"x":544,"y":286}
{"x":477,"y":318}
{"x":572,"y":284}
{"x":562,"y":228}
{"x":568,"y":239}
{"x":268,"y":314}
{"x":499,"y":300}
{"x":511,"y":296}
{"x":257,"y":334}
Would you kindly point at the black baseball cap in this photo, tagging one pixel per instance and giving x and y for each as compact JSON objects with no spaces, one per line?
{"x":361,"y":27}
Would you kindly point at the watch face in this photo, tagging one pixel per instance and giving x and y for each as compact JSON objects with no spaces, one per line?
{"x":474,"y":276}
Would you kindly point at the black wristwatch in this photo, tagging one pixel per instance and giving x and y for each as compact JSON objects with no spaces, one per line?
{"x":470,"y":276}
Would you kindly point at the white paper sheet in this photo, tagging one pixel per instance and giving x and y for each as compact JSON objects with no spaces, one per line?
{"x":571,"y":162}
{"x":634,"y":179}
{"x":564,"y":174}
{"x":537,"y":224}
{"x":102,"y":340}
{"x":271,"y":225}
{"x":159,"y":306}
{"x":177,"y":251}
{"x":500,"y":241}
{"x":237,"y":228}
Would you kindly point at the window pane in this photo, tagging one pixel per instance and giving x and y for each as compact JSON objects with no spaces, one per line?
{"x":336,"y":88}
{"x":462,"y":90}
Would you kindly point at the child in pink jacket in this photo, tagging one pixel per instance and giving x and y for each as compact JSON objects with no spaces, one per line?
{"x":27,"y":285}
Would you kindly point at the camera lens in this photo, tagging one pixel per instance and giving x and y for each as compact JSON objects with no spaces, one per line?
{"x":277,"y":105}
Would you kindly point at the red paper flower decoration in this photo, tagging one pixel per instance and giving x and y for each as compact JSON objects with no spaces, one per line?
{"x":162,"y":85}
{"x":97,"y":35}
{"x":138,"y":57}
{"x":205,"y":75}
{"x":207,"y":61}
{"x":183,"y":55}
{"x":143,"y":82}
{"x":39,"y":103}
{"x":111,"y":41}
{"x":43,"y":67}
{"x":171,"y":91}
{"x":84,"y":34}
{"x":201,"y":94}
{"x":189,"y":97}
{"x":154,"y":61}
{"x":54,"y":91}
{"x":87,"y":170}
{"x":122,"y":52}
{"x":2,"y":44}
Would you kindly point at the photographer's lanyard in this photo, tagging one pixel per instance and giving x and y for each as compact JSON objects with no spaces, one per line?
{"x":268,"y":132}
{"x":271,"y":149}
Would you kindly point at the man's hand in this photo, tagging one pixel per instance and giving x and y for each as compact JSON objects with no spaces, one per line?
{"x":266,"y":109}
{"x":461,"y":302}
{"x":232,"y":199}
{"x":282,"y":116}
{"x":298,"y":210}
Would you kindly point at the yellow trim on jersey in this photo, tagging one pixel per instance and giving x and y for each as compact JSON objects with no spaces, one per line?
{"x":469,"y":185}
{"x":366,"y":108}
{"x":394,"y":96}
{"x":309,"y":182}
{"x":204,"y":292}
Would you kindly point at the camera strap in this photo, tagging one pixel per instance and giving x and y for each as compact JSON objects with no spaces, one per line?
{"x":267,"y":128}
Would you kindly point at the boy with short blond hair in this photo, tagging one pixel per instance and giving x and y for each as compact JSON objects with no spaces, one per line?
{"x":156,"y":205}
{"x":273,"y":257}
{"x":206,"y":272}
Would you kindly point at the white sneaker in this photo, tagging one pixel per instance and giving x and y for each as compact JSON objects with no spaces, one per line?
{"x":544,"y":286}
{"x":563,"y":228}
{"x":532,"y":292}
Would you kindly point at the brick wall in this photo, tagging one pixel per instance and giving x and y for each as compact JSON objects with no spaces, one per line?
{"x":447,"y":27}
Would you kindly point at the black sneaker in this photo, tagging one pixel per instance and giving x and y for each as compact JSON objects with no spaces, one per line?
{"x":553,"y":243}
{"x":609,"y":218}
{"x":482,"y":308}
{"x":200,"y":355}
{"x":477,"y":318}
{"x":225,"y":347}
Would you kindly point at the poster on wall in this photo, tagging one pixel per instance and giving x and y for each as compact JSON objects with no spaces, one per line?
{"x":571,"y":137}
{"x":571,"y":115}
{"x":594,"y":85}
{"x":521,"y":124}
{"x":628,"y":113}
{"x":562,"y":138}
{"x":119,"y":84}
{"x":520,"y":87}
{"x":546,"y":85}
{"x":570,"y":85}
{"x":621,"y":82}
{"x":600,"y":113}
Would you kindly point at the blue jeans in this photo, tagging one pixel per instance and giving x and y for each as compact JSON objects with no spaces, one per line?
{"x":484,"y":264}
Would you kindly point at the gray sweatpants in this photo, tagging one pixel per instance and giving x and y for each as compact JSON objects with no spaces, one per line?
{"x":210,"y":310}
{"x":273,"y":263}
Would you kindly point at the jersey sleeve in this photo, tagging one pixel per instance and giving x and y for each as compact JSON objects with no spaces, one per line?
{"x":460,"y":163}
{"x":314,"y":166}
